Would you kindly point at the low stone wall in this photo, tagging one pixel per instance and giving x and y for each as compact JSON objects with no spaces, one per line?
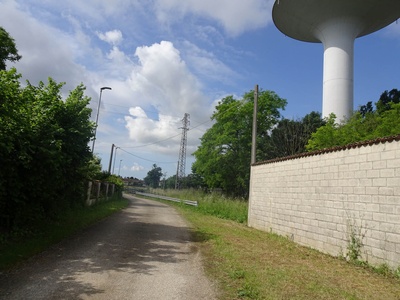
{"x":326,"y":198}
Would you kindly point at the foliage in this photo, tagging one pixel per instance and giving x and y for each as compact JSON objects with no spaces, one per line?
{"x":153,"y":177}
{"x":190,"y":181}
{"x":169,"y":182}
{"x":43,"y":149}
{"x":117,"y":180}
{"x":386,"y":99}
{"x":290,"y":137}
{"x":223,"y":158}
{"x":8,"y":49}
{"x":210,"y":203}
{"x":365,"y":124}
{"x":94,"y":168}
{"x":355,"y":239}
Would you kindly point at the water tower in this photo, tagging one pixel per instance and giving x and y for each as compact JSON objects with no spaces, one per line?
{"x":336,"y":24}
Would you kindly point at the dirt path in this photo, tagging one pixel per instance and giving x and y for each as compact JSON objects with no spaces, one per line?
{"x":142,"y":252}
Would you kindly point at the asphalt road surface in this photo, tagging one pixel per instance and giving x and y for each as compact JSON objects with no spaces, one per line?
{"x":142,"y":252}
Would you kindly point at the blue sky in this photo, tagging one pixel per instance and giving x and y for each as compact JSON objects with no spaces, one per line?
{"x":165,"y":58}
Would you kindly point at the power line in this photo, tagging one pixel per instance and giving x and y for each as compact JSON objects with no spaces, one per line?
{"x":156,"y":142}
{"x":158,"y":162}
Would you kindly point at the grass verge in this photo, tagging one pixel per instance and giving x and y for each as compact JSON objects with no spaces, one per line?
{"x":251,"y":264}
{"x":48,"y":233}
{"x":214,"y":204}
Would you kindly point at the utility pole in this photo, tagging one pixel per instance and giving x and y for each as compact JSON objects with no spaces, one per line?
{"x":111,"y":157}
{"x":182,"y":151}
{"x":254,"y":135}
{"x":97,"y":116}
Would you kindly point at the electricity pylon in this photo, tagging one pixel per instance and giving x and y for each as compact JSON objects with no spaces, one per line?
{"x":180,"y":174}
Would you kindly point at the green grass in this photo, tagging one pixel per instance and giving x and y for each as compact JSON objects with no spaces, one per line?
{"x":47,"y":233}
{"x":251,"y":264}
{"x":213,"y":204}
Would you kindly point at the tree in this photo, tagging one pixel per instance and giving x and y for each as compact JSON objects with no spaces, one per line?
{"x":223,"y":158}
{"x":43,"y":149}
{"x":386,"y":99}
{"x":153,"y":177}
{"x":357,"y":129}
{"x":366,"y":109}
{"x":290,"y":137}
{"x":8,"y":49}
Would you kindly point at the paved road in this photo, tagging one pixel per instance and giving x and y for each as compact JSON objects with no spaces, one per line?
{"x":142,"y":252}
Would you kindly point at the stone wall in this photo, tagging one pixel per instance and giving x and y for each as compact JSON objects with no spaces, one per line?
{"x":318,"y":199}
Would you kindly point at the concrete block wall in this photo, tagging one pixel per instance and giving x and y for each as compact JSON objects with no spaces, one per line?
{"x":316,"y":199}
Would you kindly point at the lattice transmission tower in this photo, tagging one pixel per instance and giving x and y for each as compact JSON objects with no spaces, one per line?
{"x":180,"y":173}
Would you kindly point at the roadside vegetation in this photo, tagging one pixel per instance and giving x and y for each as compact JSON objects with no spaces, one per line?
{"x":25,"y":243}
{"x":214,"y":204}
{"x":251,"y":264}
{"x":46,"y":162}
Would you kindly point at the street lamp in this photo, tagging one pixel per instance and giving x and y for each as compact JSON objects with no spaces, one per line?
{"x":97,"y":117}
{"x":119,"y":169}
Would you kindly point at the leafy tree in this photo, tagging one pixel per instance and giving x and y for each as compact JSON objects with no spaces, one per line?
{"x":153,"y":177}
{"x":43,"y":149}
{"x":325,"y":136}
{"x":290,"y":137}
{"x":170,"y":182}
{"x":366,"y":109}
{"x":357,"y":129}
{"x":223,"y":158}
{"x":8,"y":49}
{"x":193,"y":181}
{"x":386,"y":99}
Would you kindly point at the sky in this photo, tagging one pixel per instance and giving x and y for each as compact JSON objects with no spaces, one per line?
{"x":165,"y":58}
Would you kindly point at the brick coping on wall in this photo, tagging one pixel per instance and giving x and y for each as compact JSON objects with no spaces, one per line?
{"x":377,"y":141}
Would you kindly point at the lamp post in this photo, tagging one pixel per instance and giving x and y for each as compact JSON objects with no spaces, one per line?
{"x":119,"y":169}
{"x":97,"y":116}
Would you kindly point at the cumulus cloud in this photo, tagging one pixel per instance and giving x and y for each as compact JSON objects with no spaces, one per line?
{"x":145,"y":130}
{"x":152,"y":85}
{"x":163,"y":79}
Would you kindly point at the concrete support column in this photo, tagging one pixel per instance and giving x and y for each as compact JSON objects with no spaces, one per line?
{"x":338,"y":37}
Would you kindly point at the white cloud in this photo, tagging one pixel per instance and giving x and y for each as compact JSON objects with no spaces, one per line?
{"x":136,"y":167}
{"x":151,"y":91}
{"x":113,"y":37}
{"x":163,"y":79}
{"x":207,"y":65}
{"x":144,"y":130}
{"x":236,"y":16}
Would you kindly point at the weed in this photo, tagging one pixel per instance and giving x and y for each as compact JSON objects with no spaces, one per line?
{"x":384,"y":269}
{"x":397,"y":272}
{"x":248,"y":291}
{"x":237,"y":274}
{"x":355,"y":237}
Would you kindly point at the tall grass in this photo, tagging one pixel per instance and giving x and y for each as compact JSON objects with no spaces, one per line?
{"x":214,"y":204}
